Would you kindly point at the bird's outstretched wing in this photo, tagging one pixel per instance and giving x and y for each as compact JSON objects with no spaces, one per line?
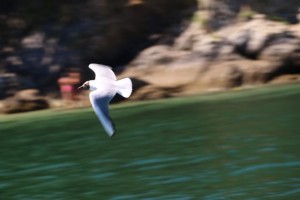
{"x":102,"y":71}
{"x":100,"y":104}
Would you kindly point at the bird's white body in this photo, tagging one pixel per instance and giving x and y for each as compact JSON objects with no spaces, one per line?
{"x":103,"y":89}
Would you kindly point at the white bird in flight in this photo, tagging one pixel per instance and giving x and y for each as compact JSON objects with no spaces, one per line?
{"x":103,"y":89}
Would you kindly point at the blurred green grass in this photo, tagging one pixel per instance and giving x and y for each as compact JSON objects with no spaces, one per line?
{"x":233,"y":145}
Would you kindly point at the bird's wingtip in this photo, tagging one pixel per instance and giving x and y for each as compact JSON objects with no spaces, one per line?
{"x":112,"y":135}
{"x":92,"y":65}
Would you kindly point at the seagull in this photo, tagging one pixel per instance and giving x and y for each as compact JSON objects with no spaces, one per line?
{"x":103,"y":89}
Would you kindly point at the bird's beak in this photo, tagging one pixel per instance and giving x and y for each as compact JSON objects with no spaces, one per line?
{"x":83,"y":86}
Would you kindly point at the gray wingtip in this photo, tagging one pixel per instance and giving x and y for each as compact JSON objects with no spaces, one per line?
{"x":111,"y":136}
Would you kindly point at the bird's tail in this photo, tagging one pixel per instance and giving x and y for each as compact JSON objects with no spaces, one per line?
{"x":124,"y":87}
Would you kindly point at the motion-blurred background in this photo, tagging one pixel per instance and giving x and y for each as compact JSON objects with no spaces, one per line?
{"x":231,"y":132}
{"x":169,"y":47}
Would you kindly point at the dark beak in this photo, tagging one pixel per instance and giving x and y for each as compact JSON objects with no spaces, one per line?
{"x":81,"y":87}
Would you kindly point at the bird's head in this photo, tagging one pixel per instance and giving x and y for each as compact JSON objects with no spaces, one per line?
{"x":86,"y":85}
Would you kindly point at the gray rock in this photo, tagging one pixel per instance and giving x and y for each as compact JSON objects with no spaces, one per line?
{"x":251,"y":37}
{"x":187,"y":39}
{"x":280,"y":47}
{"x":155,"y":55}
{"x":222,"y":76}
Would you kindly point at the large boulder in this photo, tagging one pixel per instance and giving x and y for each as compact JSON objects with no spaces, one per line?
{"x":251,"y":38}
{"x":222,"y":76}
{"x":284,"y":49}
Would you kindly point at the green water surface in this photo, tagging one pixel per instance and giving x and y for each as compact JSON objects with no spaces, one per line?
{"x":224,"y":146}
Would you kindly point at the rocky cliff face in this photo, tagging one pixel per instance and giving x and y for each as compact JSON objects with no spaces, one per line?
{"x":245,"y":53}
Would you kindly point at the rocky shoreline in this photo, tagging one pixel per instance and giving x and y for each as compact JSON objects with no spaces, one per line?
{"x":242,"y":55}
{"x":174,"y":48}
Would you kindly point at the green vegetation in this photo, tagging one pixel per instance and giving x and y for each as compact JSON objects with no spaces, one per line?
{"x":277,"y":19}
{"x":236,"y":145}
{"x":246,"y":14}
{"x":202,"y":20}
